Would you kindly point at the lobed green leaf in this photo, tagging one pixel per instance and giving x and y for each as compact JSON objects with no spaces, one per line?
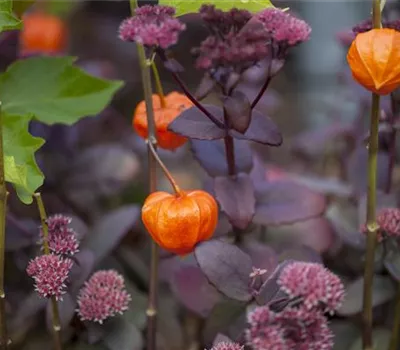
{"x":192,"y":6}
{"x":8,"y":21}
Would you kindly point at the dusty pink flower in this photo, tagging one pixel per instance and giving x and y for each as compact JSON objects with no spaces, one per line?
{"x":388,"y":220}
{"x":62,"y":239}
{"x":50,"y":273}
{"x":290,"y":329}
{"x":366,"y":25}
{"x":152,"y":26}
{"x":283,"y":27}
{"x":234,"y":43}
{"x":316,"y":285}
{"x":103,"y":296}
{"x":227,"y":346}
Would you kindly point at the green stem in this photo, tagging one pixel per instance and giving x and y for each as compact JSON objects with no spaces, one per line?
{"x":4,"y":341}
{"x":54,"y":306}
{"x":394,"y":340}
{"x":159,"y":88}
{"x":372,"y":226}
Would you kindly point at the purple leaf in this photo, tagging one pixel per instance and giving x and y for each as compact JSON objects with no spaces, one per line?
{"x":205,"y":87}
{"x":285,"y":202}
{"x":81,"y":270}
{"x":173,"y":66}
{"x":223,"y":226}
{"x":193,"y":289}
{"x":263,"y":256}
{"x":270,"y":288}
{"x":392,"y":258}
{"x":226,"y":267}
{"x":66,"y":308}
{"x":123,"y":335}
{"x":356,"y":173}
{"x":238,"y":110}
{"x":300,"y":253}
{"x":109,"y":230}
{"x":236,"y":197}
{"x":21,"y":233}
{"x":211,"y":156}
{"x":261,"y":129}
{"x":194,"y":124}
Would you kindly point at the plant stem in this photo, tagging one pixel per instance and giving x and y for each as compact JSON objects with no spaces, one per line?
{"x":54,"y":306}
{"x":3,"y":210}
{"x":394,"y":340}
{"x":230,"y":155}
{"x":159,"y":87}
{"x":372,"y":226}
{"x":151,"y":145}
{"x":174,"y":185}
{"x":264,"y":87}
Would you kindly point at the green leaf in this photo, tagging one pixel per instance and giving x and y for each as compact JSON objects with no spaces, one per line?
{"x":53,"y":90}
{"x":191,"y":6}
{"x":19,"y":160}
{"x":7,"y":19}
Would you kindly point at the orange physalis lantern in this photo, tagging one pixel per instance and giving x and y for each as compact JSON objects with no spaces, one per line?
{"x":175,"y":104}
{"x":177,"y":222}
{"x":42,"y":33}
{"x":374,"y":59}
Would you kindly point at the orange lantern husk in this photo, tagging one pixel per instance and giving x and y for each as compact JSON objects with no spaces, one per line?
{"x":178,"y":222}
{"x":43,"y":33}
{"x":374,"y":60}
{"x":175,"y":104}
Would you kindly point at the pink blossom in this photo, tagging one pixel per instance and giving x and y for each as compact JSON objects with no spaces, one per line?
{"x":227,"y":346}
{"x":50,"y":273}
{"x":284,"y":27}
{"x":316,"y":285}
{"x":103,"y":296}
{"x":388,"y":220}
{"x":152,"y":26}
{"x":61,"y":239}
{"x":290,"y":329}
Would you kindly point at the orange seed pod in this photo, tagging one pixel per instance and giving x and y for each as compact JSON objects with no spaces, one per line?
{"x":178,"y":222}
{"x":42,"y":33}
{"x":374,"y":60}
{"x":176,"y":103}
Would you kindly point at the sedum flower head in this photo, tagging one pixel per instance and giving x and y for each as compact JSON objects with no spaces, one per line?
{"x":290,"y":329}
{"x":50,"y":273}
{"x":316,"y":285}
{"x":283,"y":27}
{"x":227,"y":346}
{"x":103,"y":296}
{"x":152,"y":26}
{"x":61,"y":239}
{"x":234,"y":42}
{"x":388,"y":220}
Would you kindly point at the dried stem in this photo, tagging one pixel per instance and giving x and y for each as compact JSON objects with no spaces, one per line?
{"x":372,"y":226}
{"x":3,"y":209}
{"x":159,"y":88}
{"x":54,"y":306}
{"x":168,"y":175}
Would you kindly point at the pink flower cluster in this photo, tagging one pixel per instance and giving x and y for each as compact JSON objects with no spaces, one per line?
{"x":290,"y":329}
{"x":317,"y":286}
{"x":301,"y":325}
{"x":62,"y":239}
{"x":152,"y":26}
{"x":227,"y":346}
{"x":283,"y":27}
{"x":388,"y":220}
{"x":50,"y":273}
{"x":103,"y":296}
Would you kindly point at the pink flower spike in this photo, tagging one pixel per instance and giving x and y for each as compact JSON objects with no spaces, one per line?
{"x":103,"y":296}
{"x":50,"y":273}
{"x":316,"y":285}
{"x":62,"y":240}
{"x":227,"y":346}
{"x":152,"y":26}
